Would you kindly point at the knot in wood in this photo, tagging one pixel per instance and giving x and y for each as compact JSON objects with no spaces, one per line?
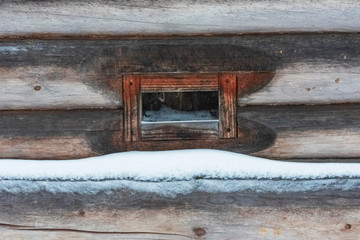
{"x":199,"y":231}
{"x":347,"y":226}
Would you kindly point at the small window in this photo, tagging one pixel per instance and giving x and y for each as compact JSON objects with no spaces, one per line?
{"x":160,"y":107}
{"x":180,"y":106}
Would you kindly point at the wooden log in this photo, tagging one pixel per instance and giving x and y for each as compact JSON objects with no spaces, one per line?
{"x":47,"y":148}
{"x":68,"y":74}
{"x":280,"y":132}
{"x":309,"y":131}
{"x":101,"y":17}
{"x":124,"y":214}
{"x":51,"y":87}
{"x":59,"y":134}
{"x":305,"y":83}
{"x":72,"y":121}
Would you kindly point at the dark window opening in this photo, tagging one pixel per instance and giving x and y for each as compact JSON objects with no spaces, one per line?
{"x":180,"y":106}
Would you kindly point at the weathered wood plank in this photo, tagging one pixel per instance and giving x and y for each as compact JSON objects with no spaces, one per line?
{"x":309,"y":131}
{"x":305,"y":83}
{"x":227,"y":103}
{"x":132,"y":109}
{"x":38,"y":122}
{"x":179,"y":131}
{"x":179,"y":83}
{"x":58,"y":147}
{"x":59,"y":134}
{"x":52,"y":87}
{"x":309,"y":68}
{"x":126,"y":214}
{"x":330,"y":132}
{"x":175,"y":17}
{"x":315,"y":144}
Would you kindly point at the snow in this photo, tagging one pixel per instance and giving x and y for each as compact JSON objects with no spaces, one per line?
{"x":174,"y":172}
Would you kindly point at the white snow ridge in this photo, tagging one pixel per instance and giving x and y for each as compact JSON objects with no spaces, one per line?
{"x":173,"y":172}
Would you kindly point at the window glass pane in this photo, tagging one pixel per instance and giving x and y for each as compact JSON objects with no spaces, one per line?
{"x":180,"y":106}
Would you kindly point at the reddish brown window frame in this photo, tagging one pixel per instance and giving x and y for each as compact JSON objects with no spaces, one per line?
{"x":136,"y":84}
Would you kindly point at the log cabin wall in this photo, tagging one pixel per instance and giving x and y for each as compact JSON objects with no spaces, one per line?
{"x":62,"y":70}
{"x":69,"y":57}
{"x":299,"y":92}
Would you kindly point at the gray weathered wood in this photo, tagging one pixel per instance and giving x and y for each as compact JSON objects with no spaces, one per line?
{"x":309,"y":131}
{"x":281,"y":132}
{"x":20,"y":123}
{"x":68,"y":74}
{"x":51,"y":87}
{"x":59,"y":134}
{"x":175,"y":17}
{"x":308,"y":83}
{"x":128,"y":214}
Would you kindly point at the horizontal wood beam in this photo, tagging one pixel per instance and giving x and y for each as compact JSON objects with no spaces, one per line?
{"x":179,"y":131}
{"x":78,"y":74}
{"x":309,"y":131}
{"x":59,"y":134}
{"x":175,"y":17}
{"x":179,"y":83}
{"x":125,"y":213}
{"x":71,"y":121}
{"x":281,"y":132}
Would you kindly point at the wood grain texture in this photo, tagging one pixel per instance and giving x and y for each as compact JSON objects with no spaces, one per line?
{"x":176,"y":17}
{"x":132,"y":109}
{"x":309,"y":131}
{"x":53,"y":87}
{"x":227,"y":105}
{"x":280,"y":132}
{"x":305,"y":83}
{"x":179,"y":83}
{"x":309,"y":68}
{"x":72,"y":121}
{"x":59,"y":134}
{"x":126,"y":214}
{"x":179,"y":131}
{"x":59,"y":147}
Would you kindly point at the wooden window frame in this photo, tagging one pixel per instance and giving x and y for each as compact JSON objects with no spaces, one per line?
{"x":136,"y":84}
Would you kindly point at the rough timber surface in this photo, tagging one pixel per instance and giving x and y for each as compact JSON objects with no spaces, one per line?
{"x":330,"y":131}
{"x":59,"y":134}
{"x":166,"y":17}
{"x":69,"y":74}
{"x":129,"y":214}
{"x":279,"y":132}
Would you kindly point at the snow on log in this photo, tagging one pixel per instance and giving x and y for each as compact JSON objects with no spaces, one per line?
{"x":169,"y":195}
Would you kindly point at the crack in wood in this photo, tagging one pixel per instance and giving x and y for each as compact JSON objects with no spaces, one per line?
{"x":33,"y":228}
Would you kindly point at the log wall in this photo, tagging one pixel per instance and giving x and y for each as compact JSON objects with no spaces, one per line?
{"x":127,"y":214}
{"x":166,"y":17}
{"x":316,"y":69}
{"x":62,"y":68}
